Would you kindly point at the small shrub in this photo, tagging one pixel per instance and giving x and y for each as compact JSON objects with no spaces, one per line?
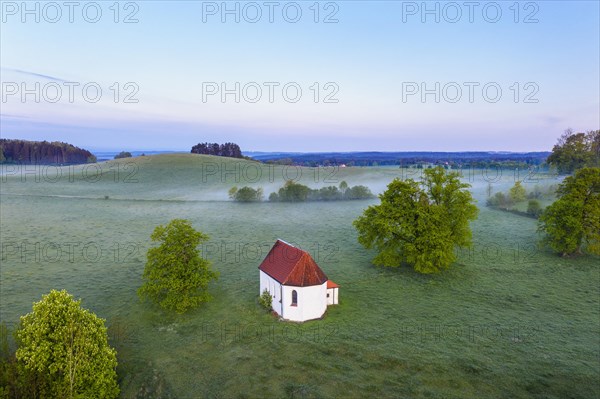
{"x":274,"y":197}
{"x":536,"y":193}
{"x":358,"y":192}
{"x":517,"y":192}
{"x":266,"y":300}
{"x":534,"y":208}
{"x":123,"y":154}
{"x":330,"y":193}
{"x":293,"y":192}
{"x":246,"y":194}
{"x":493,"y":201}
{"x":343,"y":186}
{"x":551,"y":190}
{"x":500,"y":200}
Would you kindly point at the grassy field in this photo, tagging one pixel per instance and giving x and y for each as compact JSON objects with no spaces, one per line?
{"x":507,"y":321}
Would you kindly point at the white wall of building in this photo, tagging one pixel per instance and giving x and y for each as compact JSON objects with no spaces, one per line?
{"x":274,"y":288}
{"x":312,"y":302}
{"x":332,"y":296}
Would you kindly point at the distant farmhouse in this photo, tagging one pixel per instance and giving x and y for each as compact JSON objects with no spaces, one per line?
{"x":300,"y":289}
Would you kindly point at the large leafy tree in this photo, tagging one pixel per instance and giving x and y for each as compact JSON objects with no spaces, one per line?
{"x":572,"y":223}
{"x":64,"y":348}
{"x":419,"y":223}
{"x":176,"y":276}
{"x":576,"y":150}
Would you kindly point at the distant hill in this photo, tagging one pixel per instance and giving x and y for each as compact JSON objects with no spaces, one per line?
{"x":108,"y":155}
{"x":476,"y":158}
{"x":42,"y":152}
{"x":180,"y":177}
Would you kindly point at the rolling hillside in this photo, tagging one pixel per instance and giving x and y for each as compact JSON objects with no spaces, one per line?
{"x":507,"y":320}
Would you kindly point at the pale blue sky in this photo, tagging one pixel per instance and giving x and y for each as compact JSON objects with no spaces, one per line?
{"x":374,"y":51}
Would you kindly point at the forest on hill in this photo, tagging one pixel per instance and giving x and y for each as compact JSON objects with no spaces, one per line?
{"x":231,"y":150}
{"x":42,"y":152}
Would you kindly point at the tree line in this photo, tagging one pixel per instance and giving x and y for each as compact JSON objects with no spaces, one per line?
{"x":451,"y":160}
{"x":296,"y":192}
{"x":518,"y":194}
{"x":231,"y":150}
{"x":42,"y":152}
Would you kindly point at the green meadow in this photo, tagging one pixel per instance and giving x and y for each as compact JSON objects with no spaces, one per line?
{"x":508,"y":320}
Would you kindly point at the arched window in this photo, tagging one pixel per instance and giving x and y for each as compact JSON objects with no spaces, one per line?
{"x":294,"y":298}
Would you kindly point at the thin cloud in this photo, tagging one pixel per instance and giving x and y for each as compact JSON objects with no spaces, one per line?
{"x":10,"y":116}
{"x":552,"y":120}
{"x":34,"y":74}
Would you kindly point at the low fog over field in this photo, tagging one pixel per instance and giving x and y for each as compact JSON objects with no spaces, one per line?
{"x":91,"y":237}
{"x":187,"y":177}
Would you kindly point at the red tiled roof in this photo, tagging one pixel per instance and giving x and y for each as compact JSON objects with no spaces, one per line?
{"x":331,"y":284}
{"x":292,"y":266}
